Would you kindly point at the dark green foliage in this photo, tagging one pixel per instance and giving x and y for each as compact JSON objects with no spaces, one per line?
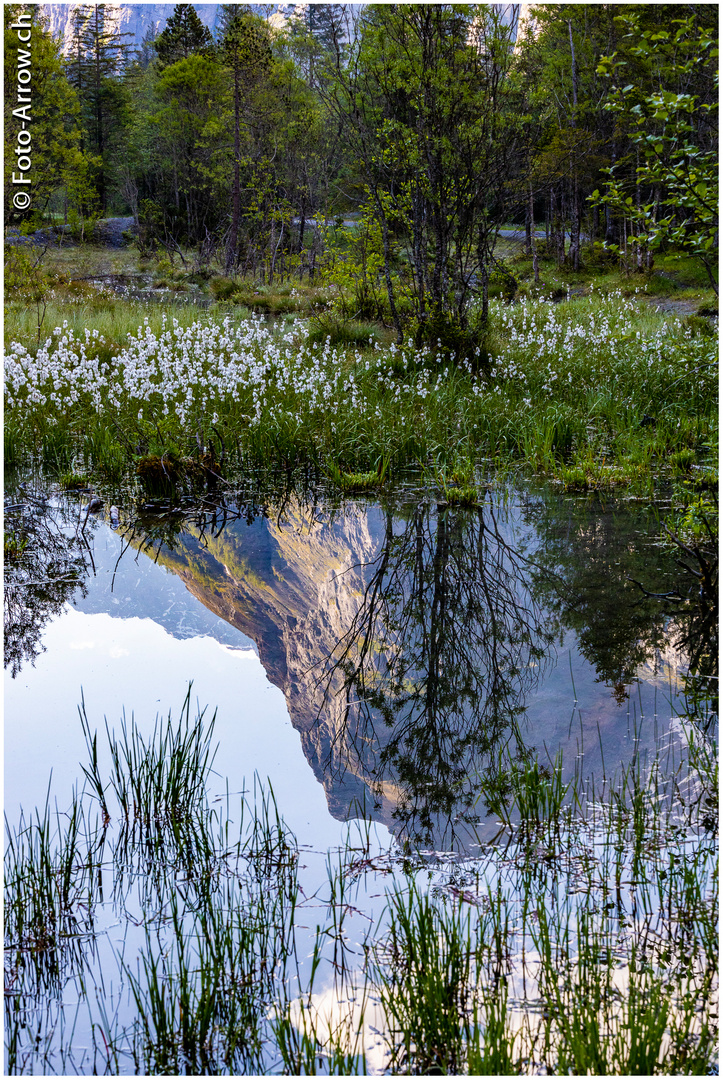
{"x":160,"y":474}
{"x":223,"y":288}
{"x":699,"y":325}
{"x":96,"y":61}
{"x":245,"y":43}
{"x":329,"y":327}
{"x":448,"y":338}
{"x":183,"y":36}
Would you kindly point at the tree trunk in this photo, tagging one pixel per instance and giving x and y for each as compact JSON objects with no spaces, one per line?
{"x":388,"y":267}
{"x":302,"y":225}
{"x":639,"y":250}
{"x":533,"y":241}
{"x":574,"y":253}
{"x":231,"y":251}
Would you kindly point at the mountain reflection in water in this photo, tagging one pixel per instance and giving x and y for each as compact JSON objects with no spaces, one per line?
{"x":412,"y":643}
{"x":415,"y":645}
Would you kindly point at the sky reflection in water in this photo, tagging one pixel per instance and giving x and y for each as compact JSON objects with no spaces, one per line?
{"x":465,"y":627}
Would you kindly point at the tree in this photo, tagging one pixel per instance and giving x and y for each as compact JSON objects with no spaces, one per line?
{"x":312,"y":37}
{"x":44,"y":130}
{"x":187,"y":135}
{"x":429,"y":101}
{"x":559,"y":55}
{"x":246,"y":50}
{"x":97,"y":59}
{"x":184,"y":35}
{"x":674,"y":135}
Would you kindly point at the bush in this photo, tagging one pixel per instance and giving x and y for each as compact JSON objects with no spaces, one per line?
{"x":707,"y":309}
{"x":699,"y":325}
{"x":327,"y":326}
{"x":451,"y":340}
{"x":223,"y":288}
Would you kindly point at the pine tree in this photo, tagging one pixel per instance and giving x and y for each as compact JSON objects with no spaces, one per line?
{"x":184,"y":35}
{"x":246,"y":50}
{"x":98,"y":57}
{"x":53,"y":115}
{"x":322,"y":22}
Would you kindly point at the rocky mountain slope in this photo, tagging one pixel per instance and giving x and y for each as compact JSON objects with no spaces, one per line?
{"x":135,"y":19}
{"x":140,"y":19}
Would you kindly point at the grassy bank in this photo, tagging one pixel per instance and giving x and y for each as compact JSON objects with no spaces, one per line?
{"x":582,"y":940}
{"x":592,"y":391}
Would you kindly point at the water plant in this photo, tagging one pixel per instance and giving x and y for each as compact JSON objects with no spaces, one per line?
{"x":161,"y":779}
{"x":583,"y":941}
{"x":363,"y":481}
{"x":277,"y":396}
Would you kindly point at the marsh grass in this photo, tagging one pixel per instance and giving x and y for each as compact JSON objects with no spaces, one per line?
{"x":365,"y":481}
{"x":594,"y":393}
{"x":159,"y":779}
{"x":584,"y":940}
{"x":51,"y":882}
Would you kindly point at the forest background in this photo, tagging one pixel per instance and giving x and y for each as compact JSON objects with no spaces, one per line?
{"x":363,"y":166}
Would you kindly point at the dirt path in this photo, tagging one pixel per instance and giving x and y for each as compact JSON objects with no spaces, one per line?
{"x":110,"y":231}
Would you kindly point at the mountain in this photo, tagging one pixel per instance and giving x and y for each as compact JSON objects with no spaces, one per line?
{"x":139,"y":19}
{"x":135,"y":19}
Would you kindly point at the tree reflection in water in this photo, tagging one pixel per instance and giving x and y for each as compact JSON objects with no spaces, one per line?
{"x":608,"y":575}
{"x":408,"y":672}
{"x":46,"y":560}
{"x":435,"y":666}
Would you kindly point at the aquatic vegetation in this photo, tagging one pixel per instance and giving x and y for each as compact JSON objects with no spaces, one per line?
{"x":71,"y":481}
{"x":585,"y":942}
{"x":606,"y":383}
{"x":162,"y":779}
{"x":463,"y":497}
{"x":359,"y":481}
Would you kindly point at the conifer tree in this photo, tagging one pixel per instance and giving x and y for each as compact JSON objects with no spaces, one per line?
{"x":246,"y":50}
{"x":98,"y":56}
{"x":50,"y":120}
{"x":184,"y":35}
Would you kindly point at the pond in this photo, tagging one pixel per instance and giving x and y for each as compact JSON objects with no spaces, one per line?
{"x":399,"y":663}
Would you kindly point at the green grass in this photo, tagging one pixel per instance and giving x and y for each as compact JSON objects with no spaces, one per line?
{"x":597,"y":391}
{"x":159,"y":779}
{"x":365,"y":481}
{"x":50,"y":873}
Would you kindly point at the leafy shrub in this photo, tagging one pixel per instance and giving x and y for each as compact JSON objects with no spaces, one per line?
{"x":223,"y":288}
{"x":707,"y":309}
{"x":450,"y":338}
{"x":328,"y":326}
{"x":700,"y":326}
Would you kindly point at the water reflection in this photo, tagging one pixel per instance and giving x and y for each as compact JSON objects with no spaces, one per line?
{"x":47,"y":558}
{"x":607,"y":576}
{"x":435,"y":667}
{"x":410,"y":642}
{"x":413,"y":643}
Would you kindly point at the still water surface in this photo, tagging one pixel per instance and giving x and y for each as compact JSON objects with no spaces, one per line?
{"x":369,"y":659}
{"x":361,"y":656}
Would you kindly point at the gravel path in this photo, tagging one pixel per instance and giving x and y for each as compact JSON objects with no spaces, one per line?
{"x":108,"y":232}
